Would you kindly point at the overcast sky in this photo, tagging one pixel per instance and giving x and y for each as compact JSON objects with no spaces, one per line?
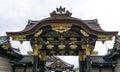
{"x":14,"y":15}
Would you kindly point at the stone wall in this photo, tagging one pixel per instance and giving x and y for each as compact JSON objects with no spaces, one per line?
{"x":5,"y":66}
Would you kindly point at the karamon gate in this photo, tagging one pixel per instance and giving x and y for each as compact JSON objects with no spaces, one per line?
{"x":61,"y":34}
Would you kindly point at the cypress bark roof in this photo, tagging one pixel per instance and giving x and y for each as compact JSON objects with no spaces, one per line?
{"x":8,"y":52}
{"x":114,"y":53}
{"x":3,"y":39}
{"x":100,"y":60}
{"x":50,"y":61}
{"x":63,"y":16}
{"x":91,"y":26}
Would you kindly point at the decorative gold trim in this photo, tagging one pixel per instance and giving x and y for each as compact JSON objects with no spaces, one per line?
{"x":50,"y":38}
{"x":42,"y":55}
{"x":84,"y":46}
{"x":61,"y":27}
{"x":35,"y":51}
{"x":62,"y":52}
{"x":6,"y":45}
{"x":73,"y":46}
{"x":95,"y":52}
{"x":87,"y":51}
{"x":84,"y":33}
{"x":115,"y":53}
{"x":117,"y":45}
{"x":38,"y":33}
{"x":30,"y":52}
{"x":52,"y":52}
{"x":63,"y":24}
{"x":71,"y":52}
{"x":104,"y":38}
{"x":82,"y":55}
{"x":50,"y":46}
{"x":61,"y":46}
{"x":61,"y":38}
{"x":73,"y":38}
{"x":19,"y":38}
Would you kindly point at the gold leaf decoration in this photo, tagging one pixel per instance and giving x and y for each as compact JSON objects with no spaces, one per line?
{"x":61,"y":46}
{"x":73,"y":38}
{"x":50,"y":38}
{"x":30,"y":52}
{"x":50,"y":46}
{"x":73,"y":46}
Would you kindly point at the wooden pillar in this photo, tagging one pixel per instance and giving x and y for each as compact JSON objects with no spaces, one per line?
{"x":35,"y":58}
{"x":88,"y":63}
{"x":42,"y":58}
{"x":82,"y":62}
{"x":35,"y":63}
{"x":42,"y":66}
{"x":13,"y":68}
{"x":81,"y":66}
{"x":100,"y":68}
{"x":113,"y":68}
{"x":24,"y":67}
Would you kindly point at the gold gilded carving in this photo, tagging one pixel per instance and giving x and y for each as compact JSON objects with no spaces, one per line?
{"x":35,"y":51}
{"x":117,"y":45}
{"x":84,"y":33}
{"x":82,"y":55}
{"x":35,"y":48}
{"x":36,"y":43}
{"x":61,"y":27}
{"x":73,"y":38}
{"x":50,"y":38}
{"x":87,"y":48}
{"x":95,"y":52}
{"x":73,"y":46}
{"x":63,"y":24}
{"x":52,"y":52}
{"x":6,"y":45}
{"x":84,"y":46}
{"x":61,"y":38}
{"x":61,"y":46}
{"x":39,"y":46}
{"x":50,"y":46}
{"x":87,"y":51}
{"x":42,"y":55}
{"x":104,"y":38}
{"x":30,"y":52}
{"x":62,"y":52}
{"x":115,"y":53}
{"x":19,"y":38}
{"x":71,"y":52}
{"x":38,"y":33}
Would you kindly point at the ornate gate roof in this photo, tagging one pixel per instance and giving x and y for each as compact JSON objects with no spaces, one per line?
{"x":61,"y":34}
{"x":60,"y":16}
